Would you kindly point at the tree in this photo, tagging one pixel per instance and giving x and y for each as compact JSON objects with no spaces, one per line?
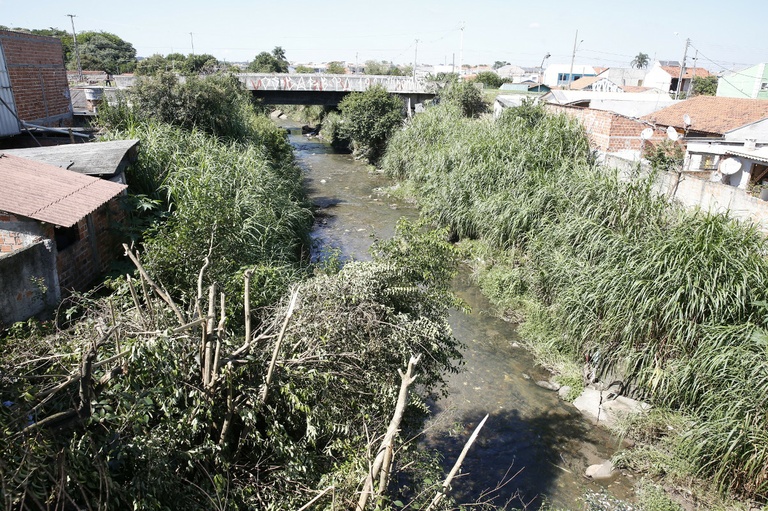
{"x":106,"y":52}
{"x":274,"y":62}
{"x":374,"y":67}
{"x":369,"y":118}
{"x":489,"y":79}
{"x":466,"y":96}
{"x":704,"y":86}
{"x":304,"y":70}
{"x":336,"y":68}
{"x":640,"y":61}
{"x":500,"y":63}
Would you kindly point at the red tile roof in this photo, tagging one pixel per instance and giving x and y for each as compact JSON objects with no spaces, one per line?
{"x":712,"y":114}
{"x":50,"y":194}
{"x":690,"y":72}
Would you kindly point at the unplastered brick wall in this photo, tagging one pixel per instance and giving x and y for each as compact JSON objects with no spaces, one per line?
{"x":11,"y":238}
{"x":79,"y":264}
{"x":608,"y":132}
{"x":38,"y":78}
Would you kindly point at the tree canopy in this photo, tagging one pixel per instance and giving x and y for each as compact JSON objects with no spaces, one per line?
{"x":106,"y":52}
{"x":640,"y":61}
{"x":265,"y":62}
{"x":336,"y":68}
{"x":704,"y":86}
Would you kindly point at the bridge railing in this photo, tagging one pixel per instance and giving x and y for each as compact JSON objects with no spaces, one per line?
{"x":334,"y":83}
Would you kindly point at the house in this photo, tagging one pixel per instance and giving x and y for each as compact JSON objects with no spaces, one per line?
{"x":518,"y":74}
{"x":751,"y":82}
{"x":665,"y":75}
{"x":628,"y":104}
{"x":33,"y":83}
{"x":560,"y":75}
{"x":726,"y":138}
{"x":527,"y":86}
{"x":55,"y":233}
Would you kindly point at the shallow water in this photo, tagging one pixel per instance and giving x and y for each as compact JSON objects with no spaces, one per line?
{"x":543,"y":442}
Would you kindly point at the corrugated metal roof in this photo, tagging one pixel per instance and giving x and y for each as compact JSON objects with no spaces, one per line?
{"x":50,"y":194}
{"x":755,"y":154}
{"x":94,"y":158}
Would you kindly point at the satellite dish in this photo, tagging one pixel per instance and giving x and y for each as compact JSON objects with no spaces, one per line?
{"x":716,"y":177}
{"x":730,"y":166}
{"x":672,"y":134}
{"x":646,"y":134}
{"x":687,"y":120}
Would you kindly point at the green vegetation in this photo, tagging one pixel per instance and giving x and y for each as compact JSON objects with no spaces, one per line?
{"x":178,"y":63}
{"x":704,"y":86}
{"x":489,"y":79}
{"x":465,"y":96}
{"x":640,"y":61}
{"x":230,"y":375}
{"x":274,"y":62}
{"x":99,"y":51}
{"x":336,"y":68}
{"x":368,"y":119}
{"x":670,"y":300}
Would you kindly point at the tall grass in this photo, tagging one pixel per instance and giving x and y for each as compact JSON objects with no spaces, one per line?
{"x":670,"y":299}
{"x":253,"y":210}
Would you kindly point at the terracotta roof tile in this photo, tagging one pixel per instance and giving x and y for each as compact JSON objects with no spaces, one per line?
{"x":689,"y":72}
{"x":712,"y":114}
{"x":50,"y":194}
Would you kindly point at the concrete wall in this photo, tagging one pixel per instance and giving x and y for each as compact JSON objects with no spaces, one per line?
{"x":747,"y":83}
{"x":694,"y":192}
{"x":29,"y":282}
{"x":38,"y":78}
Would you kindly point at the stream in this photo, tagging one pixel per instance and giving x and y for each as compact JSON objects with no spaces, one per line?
{"x":534,"y":447}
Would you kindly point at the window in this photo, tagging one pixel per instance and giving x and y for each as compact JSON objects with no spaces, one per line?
{"x":708,"y":162}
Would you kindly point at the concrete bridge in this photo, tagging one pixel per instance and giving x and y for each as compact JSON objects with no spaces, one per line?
{"x":327,"y":89}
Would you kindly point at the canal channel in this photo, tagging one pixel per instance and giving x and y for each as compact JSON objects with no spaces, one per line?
{"x":534,"y":447}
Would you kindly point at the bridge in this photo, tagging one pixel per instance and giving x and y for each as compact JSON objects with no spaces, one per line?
{"x":329,"y":90}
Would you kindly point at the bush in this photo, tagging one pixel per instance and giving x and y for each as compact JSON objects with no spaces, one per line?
{"x":489,"y":79}
{"x":369,"y":118}
{"x":465,"y":96}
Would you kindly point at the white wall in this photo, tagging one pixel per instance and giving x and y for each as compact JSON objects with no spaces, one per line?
{"x":658,"y":78}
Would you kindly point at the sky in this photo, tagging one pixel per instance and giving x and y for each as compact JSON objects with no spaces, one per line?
{"x":724,"y":35}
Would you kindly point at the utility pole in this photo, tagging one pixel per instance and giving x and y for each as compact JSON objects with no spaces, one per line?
{"x":461,"y":52}
{"x":193,"y":42}
{"x":356,"y":68}
{"x":77,"y":51}
{"x":573,"y":57}
{"x":682,"y":70}
{"x":415,"y":61}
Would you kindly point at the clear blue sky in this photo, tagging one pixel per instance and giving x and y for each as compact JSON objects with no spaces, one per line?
{"x":726,"y":34}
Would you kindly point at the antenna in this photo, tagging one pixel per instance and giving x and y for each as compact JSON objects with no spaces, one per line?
{"x":646,"y":134}
{"x":687,"y":120}
{"x":672,"y":134}
{"x":730,"y":166}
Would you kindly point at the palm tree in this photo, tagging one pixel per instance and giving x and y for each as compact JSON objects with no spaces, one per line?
{"x":640,"y":61}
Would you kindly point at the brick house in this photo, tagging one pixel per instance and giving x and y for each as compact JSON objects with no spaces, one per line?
{"x":55,"y":234}
{"x":34,"y":70}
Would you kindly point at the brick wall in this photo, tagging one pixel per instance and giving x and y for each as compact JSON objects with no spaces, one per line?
{"x":609,"y":132}
{"x":11,"y":237}
{"x":38,"y":78}
{"x":79,"y":264}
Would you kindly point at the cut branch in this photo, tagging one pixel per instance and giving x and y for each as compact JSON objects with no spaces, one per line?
{"x":276,"y":350}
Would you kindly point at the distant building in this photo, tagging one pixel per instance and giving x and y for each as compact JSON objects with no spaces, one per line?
{"x":666,"y":77}
{"x":751,"y":82}
{"x":560,"y":75}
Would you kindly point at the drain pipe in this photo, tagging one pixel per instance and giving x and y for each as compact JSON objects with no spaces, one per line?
{"x":54,"y":130}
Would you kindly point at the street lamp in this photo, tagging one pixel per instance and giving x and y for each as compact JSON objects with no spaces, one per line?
{"x":541,"y":67}
{"x":573,"y":57}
